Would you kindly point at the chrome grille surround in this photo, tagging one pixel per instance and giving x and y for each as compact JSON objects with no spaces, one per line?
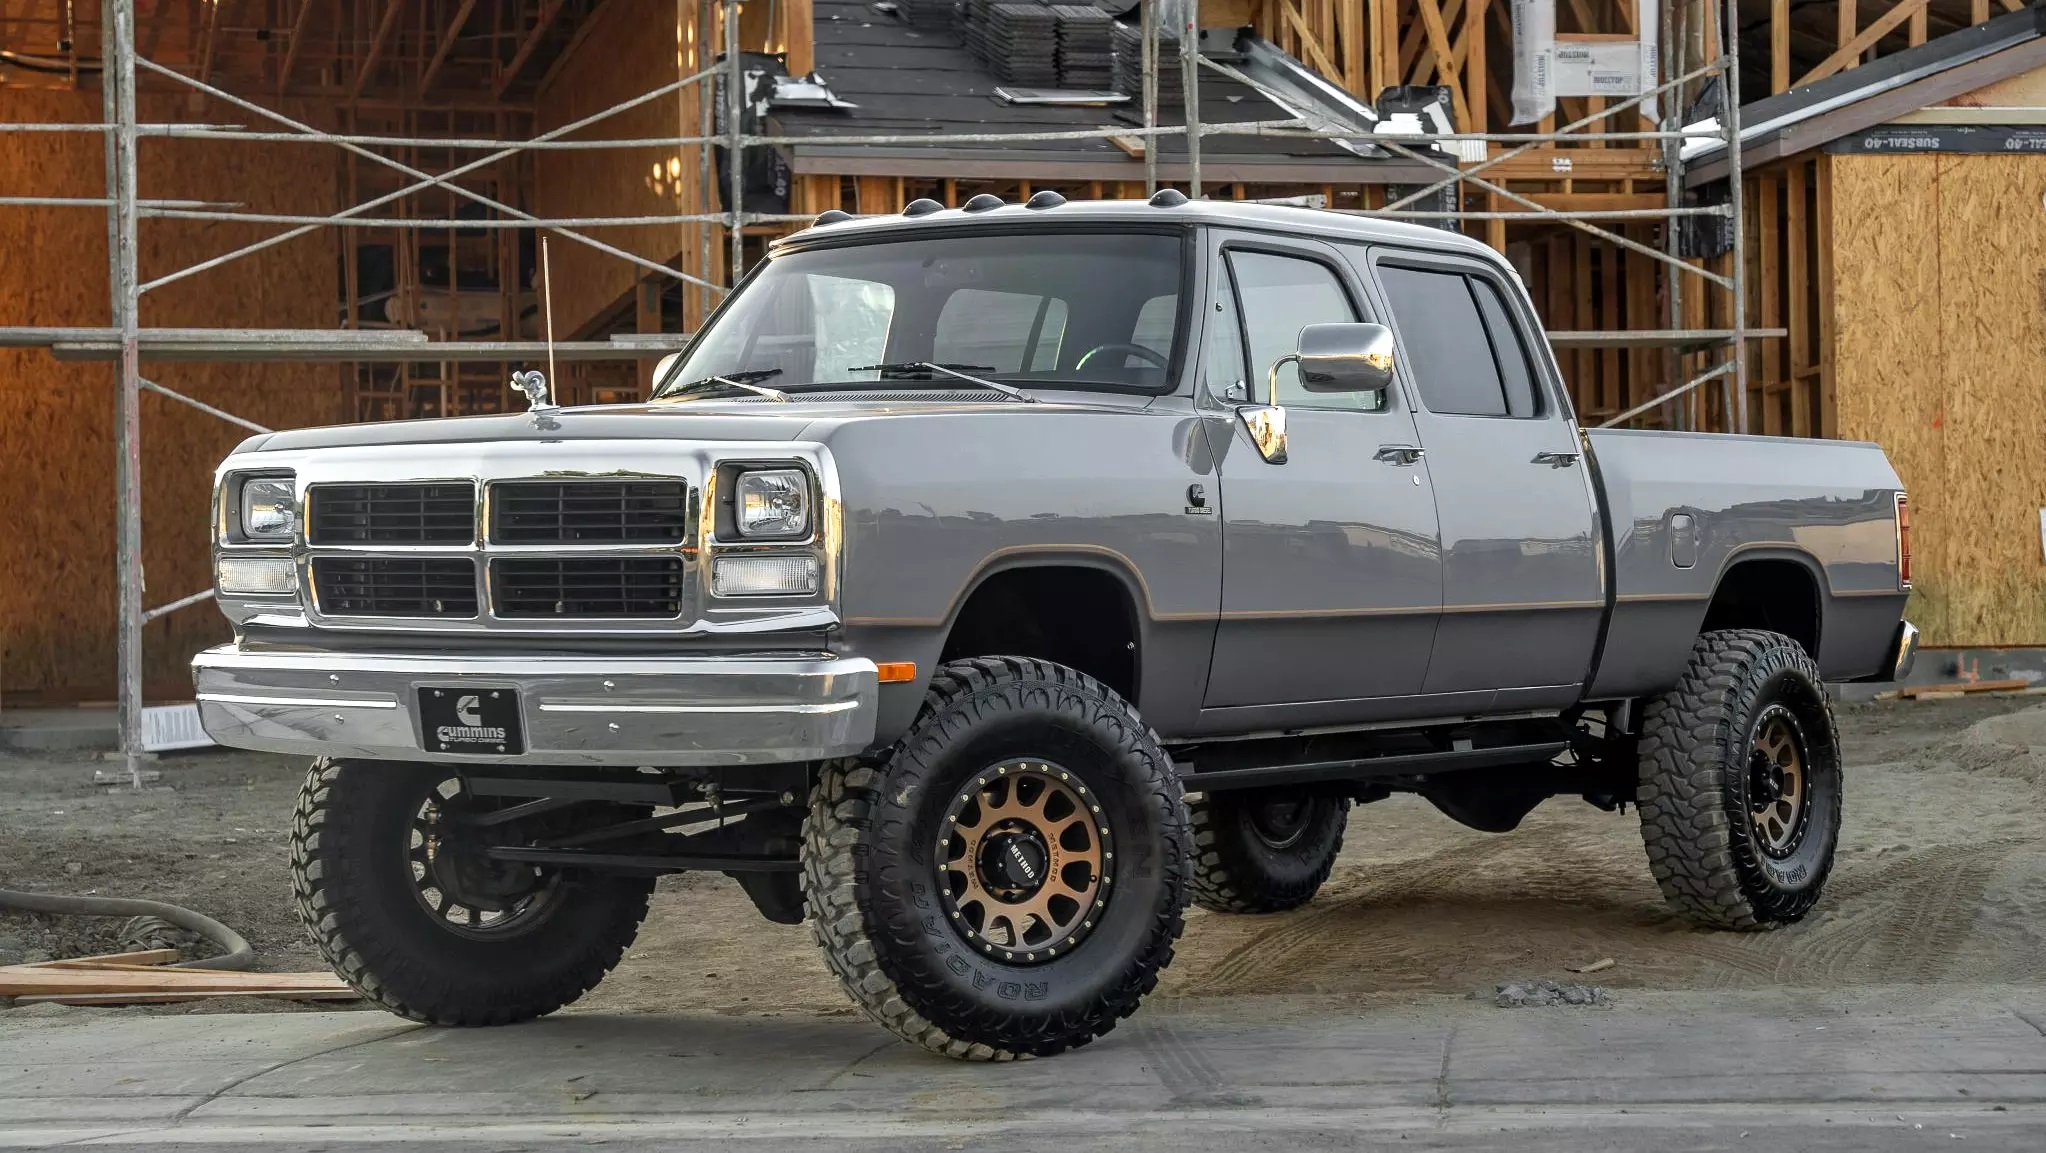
{"x":690,"y":467}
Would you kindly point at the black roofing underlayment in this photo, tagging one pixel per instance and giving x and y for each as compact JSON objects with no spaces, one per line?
{"x":912,"y":74}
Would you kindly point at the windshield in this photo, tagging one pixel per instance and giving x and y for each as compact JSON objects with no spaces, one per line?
{"x":1054,"y":309}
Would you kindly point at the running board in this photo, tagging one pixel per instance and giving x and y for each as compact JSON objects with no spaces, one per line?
{"x":1392,"y":765}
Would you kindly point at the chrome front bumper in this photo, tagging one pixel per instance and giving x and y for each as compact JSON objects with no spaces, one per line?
{"x":575,"y":710}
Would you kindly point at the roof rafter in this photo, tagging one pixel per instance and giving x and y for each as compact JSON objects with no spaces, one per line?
{"x":392,"y":10}
{"x":447,"y":45}
{"x":549,"y":10}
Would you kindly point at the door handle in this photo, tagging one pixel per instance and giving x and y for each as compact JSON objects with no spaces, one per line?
{"x":1397,"y":453}
{"x":1555,"y":459}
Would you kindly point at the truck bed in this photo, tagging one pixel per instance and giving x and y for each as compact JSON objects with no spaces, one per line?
{"x":1827,"y":506}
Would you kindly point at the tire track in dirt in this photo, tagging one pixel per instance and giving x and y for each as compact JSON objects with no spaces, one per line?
{"x":1305,"y":940}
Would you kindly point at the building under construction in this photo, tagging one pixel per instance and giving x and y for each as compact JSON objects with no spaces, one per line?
{"x":293,"y":212}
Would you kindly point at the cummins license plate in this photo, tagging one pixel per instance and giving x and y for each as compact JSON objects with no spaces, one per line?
{"x":472,"y":720}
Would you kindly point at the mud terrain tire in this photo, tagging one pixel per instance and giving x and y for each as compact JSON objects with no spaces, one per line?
{"x":1705,"y":790}
{"x":872,"y":877}
{"x":356,"y":894}
{"x":1264,"y":850}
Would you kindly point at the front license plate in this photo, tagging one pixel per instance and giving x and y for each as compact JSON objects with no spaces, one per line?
{"x":470,"y":720}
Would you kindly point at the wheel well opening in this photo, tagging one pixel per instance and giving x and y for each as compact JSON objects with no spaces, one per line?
{"x":1779,"y":595}
{"x":1082,"y":618}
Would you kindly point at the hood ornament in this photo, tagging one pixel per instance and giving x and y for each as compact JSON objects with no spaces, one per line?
{"x":533,"y":383}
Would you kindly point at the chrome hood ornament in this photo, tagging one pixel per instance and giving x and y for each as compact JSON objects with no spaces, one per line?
{"x":533,"y":383}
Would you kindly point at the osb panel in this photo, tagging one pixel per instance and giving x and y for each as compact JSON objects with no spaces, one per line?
{"x":2025,"y":90}
{"x":1887,"y":345}
{"x":632,"y":48}
{"x":1940,"y":281}
{"x":1992,"y":246}
{"x":56,"y":444}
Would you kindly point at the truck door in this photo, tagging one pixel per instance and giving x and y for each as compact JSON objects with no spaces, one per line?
{"x":1331,"y":576}
{"x":1523,"y":585}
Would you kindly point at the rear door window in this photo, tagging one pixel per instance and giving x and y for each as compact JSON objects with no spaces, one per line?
{"x":1464,"y":353}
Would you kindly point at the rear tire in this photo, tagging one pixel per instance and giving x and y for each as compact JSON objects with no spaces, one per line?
{"x":511,"y":942}
{"x":908,"y":879}
{"x":1740,"y":783}
{"x":1264,"y":850}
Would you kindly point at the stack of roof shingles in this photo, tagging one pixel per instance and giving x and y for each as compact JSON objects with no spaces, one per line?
{"x":1129,"y":65}
{"x":1086,"y":50}
{"x":1019,"y":41}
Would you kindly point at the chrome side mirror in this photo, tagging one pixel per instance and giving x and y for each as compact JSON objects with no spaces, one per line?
{"x":1346,"y":358}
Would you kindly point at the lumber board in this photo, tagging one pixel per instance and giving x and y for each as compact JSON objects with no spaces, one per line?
{"x":173,"y":998}
{"x":105,"y":960}
{"x":1912,"y":692}
{"x":31,"y":980}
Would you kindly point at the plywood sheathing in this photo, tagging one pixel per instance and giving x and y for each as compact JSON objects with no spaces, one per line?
{"x":56,"y":419}
{"x":1939,"y":274}
{"x":633,"y":47}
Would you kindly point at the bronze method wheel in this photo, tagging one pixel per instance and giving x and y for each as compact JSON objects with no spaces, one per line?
{"x":1777,"y":784}
{"x":1024,"y":862}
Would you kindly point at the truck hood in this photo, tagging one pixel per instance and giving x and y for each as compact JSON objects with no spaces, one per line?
{"x":609,"y":422}
{"x":697,"y":420}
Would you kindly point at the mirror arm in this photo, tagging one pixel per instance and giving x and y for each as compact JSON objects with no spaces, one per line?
{"x":1272,"y":376}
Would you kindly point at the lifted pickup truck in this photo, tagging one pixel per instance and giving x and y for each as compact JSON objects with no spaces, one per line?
{"x":980,"y":585}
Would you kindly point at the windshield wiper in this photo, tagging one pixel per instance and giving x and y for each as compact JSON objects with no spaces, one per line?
{"x":739,"y":380}
{"x":901,"y":367}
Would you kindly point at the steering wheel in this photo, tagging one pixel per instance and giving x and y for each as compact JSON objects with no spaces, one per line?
{"x":1156,"y":358}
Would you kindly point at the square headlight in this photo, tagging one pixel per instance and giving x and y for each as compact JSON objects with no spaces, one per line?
{"x":268,"y":508}
{"x":773,"y":504}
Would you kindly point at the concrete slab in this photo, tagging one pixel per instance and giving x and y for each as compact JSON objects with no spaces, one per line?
{"x":1898,"y":1071}
{"x":59,"y":730}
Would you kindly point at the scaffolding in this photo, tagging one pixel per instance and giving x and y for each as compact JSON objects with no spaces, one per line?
{"x":126,"y":342}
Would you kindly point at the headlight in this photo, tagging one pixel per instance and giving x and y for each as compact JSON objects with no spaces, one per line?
{"x":763,"y":576}
{"x":269,"y":509}
{"x":256,"y":575}
{"x":774,"y":504}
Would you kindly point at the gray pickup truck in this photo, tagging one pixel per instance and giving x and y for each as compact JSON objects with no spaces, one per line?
{"x":980,"y":585}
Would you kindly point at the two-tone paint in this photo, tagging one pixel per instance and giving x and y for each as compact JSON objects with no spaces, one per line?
{"x":1401,"y":567}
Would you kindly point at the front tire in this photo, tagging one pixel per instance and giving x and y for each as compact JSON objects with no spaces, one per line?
{"x":1011,"y":880}
{"x":1264,"y":850}
{"x":392,"y":886}
{"x":1740,"y":783}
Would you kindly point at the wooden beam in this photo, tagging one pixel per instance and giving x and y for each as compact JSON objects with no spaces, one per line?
{"x":1828,"y":353}
{"x":212,"y":25}
{"x":1846,"y":55}
{"x":1438,"y":38}
{"x":1916,"y":35}
{"x":1797,"y":312}
{"x":392,"y":11}
{"x":1308,"y":42}
{"x":798,"y":36}
{"x":549,"y":9}
{"x":1779,"y":45}
{"x":298,"y":24}
{"x":447,"y":45}
{"x":1479,"y":94}
{"x":1846,"y":12}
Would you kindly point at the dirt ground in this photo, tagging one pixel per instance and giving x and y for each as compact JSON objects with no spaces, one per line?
{"x":1941,"y":882}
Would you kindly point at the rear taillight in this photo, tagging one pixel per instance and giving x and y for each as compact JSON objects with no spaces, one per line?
{"x":1903,"y":541}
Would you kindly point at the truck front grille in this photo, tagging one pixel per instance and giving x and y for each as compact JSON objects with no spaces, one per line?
{"x":393,"y":514}
{"x":589,"y":512}
{"x":587,"y":586}
{"x":395,"y":586}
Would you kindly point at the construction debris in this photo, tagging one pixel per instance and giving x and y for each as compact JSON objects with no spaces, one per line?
{"x":145,"y":977}
{"x":1958,"y":688}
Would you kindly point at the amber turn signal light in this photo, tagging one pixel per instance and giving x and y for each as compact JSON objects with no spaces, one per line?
{"x":896,"y":672}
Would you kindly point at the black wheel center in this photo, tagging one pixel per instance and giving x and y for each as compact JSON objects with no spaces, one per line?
{"x":1765,"y":781}
{"x":1013,"y":861}
{"x":1279,"y":823}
